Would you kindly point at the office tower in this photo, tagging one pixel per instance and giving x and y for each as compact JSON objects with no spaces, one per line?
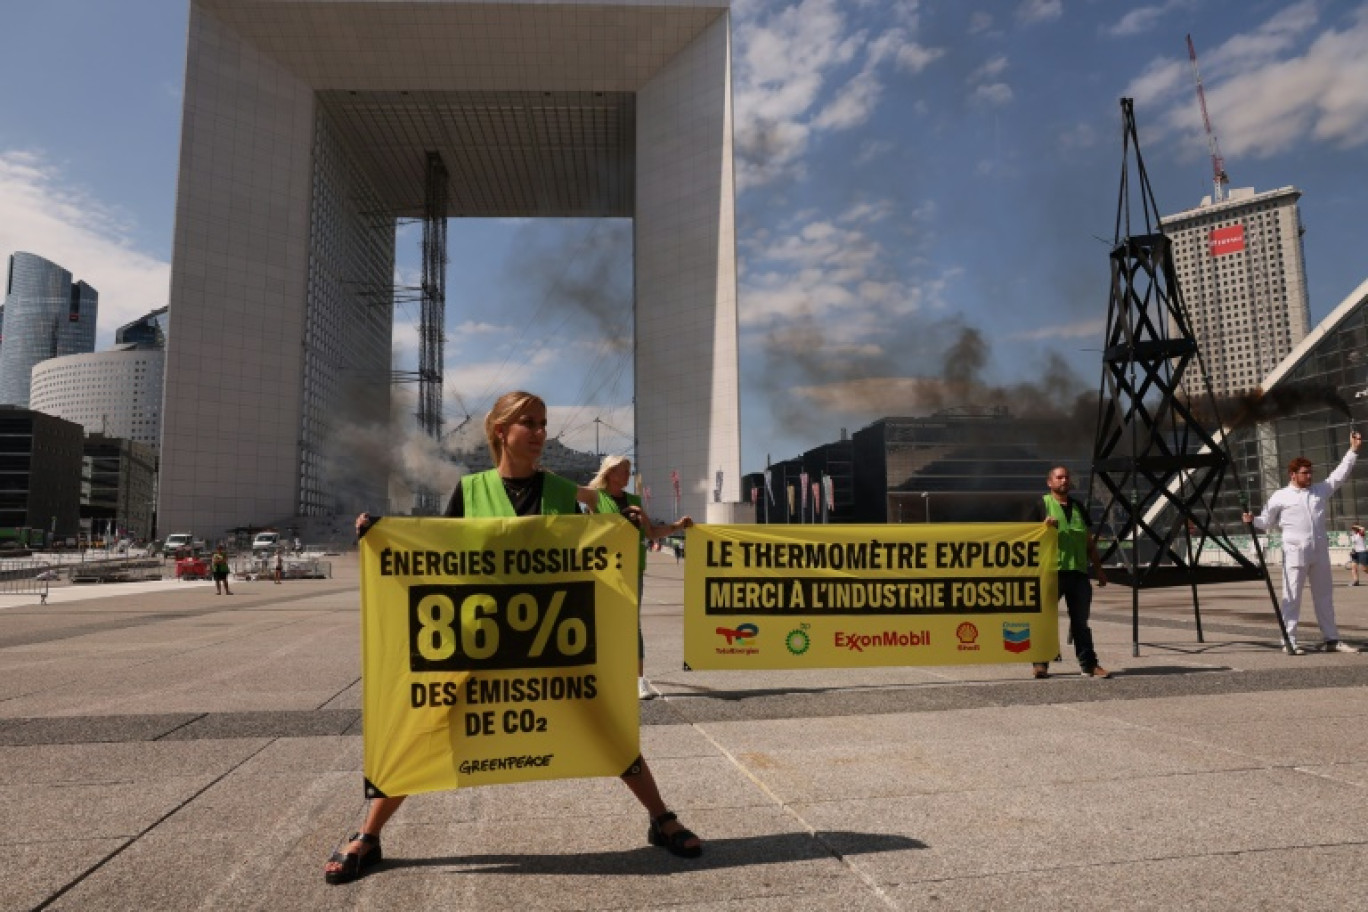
{"x":45,"y":316}
{"x":1242,"y":273}
{"x":147,"y":332}
{"x":117,"y":393}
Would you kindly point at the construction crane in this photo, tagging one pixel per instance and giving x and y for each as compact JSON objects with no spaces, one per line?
{"x":1219,"y":177}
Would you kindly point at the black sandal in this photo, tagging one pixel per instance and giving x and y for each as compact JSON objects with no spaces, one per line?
{"x":354,"y":864}
{"x":674,"y":842}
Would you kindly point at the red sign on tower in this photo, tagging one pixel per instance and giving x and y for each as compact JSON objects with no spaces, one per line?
{"x":1227,"y":240}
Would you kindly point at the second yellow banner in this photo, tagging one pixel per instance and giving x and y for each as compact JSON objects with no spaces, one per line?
{"x":832,"y":596}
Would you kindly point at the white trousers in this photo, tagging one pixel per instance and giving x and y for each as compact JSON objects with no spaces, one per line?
{"x":1314,"y":567}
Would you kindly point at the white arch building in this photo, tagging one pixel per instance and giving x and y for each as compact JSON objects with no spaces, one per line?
{"x":306,"y":129}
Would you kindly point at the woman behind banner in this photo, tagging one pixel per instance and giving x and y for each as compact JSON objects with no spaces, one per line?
{"x":611,"y":483}
{"x":516,"y":431}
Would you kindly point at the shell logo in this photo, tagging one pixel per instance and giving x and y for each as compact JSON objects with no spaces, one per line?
{"x":966,"y":632}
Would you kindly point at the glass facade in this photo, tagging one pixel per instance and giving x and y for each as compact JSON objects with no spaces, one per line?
{"x":45,"y":316}
{"x":1322,"y":393}
{"x":150,"y":331}
{"x":959,"y":465}
{"x":347,"y":324}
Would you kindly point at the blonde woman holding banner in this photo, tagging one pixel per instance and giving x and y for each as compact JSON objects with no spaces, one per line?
{"x":611,"y":482}
{"x":516,"y":432}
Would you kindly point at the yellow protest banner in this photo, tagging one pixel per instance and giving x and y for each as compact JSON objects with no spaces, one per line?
{"x":497,"y":650}
{"x":835,"y":596}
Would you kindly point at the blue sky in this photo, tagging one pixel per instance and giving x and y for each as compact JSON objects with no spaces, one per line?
{"x":908,"y":172}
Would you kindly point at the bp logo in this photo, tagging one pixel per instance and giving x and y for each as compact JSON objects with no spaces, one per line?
{"x":798,"y":641}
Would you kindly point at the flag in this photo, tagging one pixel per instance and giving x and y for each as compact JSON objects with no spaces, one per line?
{"x":755,"y":496}
{"x":769,"y":489}
{"x":803,"y":489}
{"x":816,"y":499}
{"x":830,"y":484}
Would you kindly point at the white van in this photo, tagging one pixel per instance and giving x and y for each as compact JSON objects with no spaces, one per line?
{"x":266,"y":541}
{"x":176,"y":541}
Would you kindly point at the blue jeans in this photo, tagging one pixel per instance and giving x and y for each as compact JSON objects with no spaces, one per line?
{"x":1076,"y":590}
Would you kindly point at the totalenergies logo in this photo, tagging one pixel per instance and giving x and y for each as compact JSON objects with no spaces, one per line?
{"x":967,"y":634}
{"x":740,"y":640}
{"x":739,"y":635}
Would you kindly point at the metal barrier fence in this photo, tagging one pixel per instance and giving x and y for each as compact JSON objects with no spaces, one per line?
{"x":116,"y":570}
{"x":19,"y":576}
{"x":248,"y":566}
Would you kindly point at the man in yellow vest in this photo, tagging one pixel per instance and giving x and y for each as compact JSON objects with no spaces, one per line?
{"x":1077,"y":551}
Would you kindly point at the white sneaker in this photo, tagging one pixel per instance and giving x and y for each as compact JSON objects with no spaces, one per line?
{"x":1339,"y":646}
{"x":1292,"y":649}
{"x":644,"y":691}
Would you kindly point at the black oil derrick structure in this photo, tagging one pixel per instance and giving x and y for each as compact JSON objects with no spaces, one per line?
{"x":1159,"y":470}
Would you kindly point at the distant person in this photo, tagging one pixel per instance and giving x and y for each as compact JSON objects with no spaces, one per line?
{"x":1299,"y":510}
{"x":611,"y":482}
{"x":1077,"y":551}
{"x":279,"y":567}
{"x":218,"y":568}
{"x":1358,"y":552}
{"x":515,"y":430}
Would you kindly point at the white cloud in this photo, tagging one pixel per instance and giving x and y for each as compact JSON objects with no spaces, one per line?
{"x":1144,"y":18}
{"x":1090,"y":329}
{"x":980,"y":22}
{"x":867,"y":212}
{"x":853,"y":104}
{"x":473,"y":328}
{"x":1158,"y":82}
{"x":1040,"y":10}
{"x":1272,"y":88}
{"x":994,"y":95}
{"x":871,"y":149}
{"x":988,"y":89}
{"x":1079,"y":136}
{"x":793,"y":81}
{"x":991,"y":69}
{"x":41,"y":213}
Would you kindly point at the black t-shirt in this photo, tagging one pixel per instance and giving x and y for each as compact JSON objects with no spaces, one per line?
{"x":524,"y":493}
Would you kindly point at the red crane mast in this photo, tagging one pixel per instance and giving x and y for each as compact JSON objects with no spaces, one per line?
{"x":1219,"y":177}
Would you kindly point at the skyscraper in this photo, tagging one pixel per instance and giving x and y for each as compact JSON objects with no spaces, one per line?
{"x":45,"y":315}
{"x":1242,"y":272}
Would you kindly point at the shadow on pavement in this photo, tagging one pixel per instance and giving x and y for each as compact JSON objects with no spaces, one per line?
{"x":647,"y":860}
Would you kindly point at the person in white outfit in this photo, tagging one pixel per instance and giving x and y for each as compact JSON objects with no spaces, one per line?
{"x":1299,"y":510}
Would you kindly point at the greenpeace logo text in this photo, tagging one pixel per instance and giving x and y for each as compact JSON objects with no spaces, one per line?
{"x":495,"y":764}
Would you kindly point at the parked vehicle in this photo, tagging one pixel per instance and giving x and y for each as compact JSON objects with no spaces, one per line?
{"x":192,"y":568}
{"x":177,"y":542}
{"x":265,"y":541}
